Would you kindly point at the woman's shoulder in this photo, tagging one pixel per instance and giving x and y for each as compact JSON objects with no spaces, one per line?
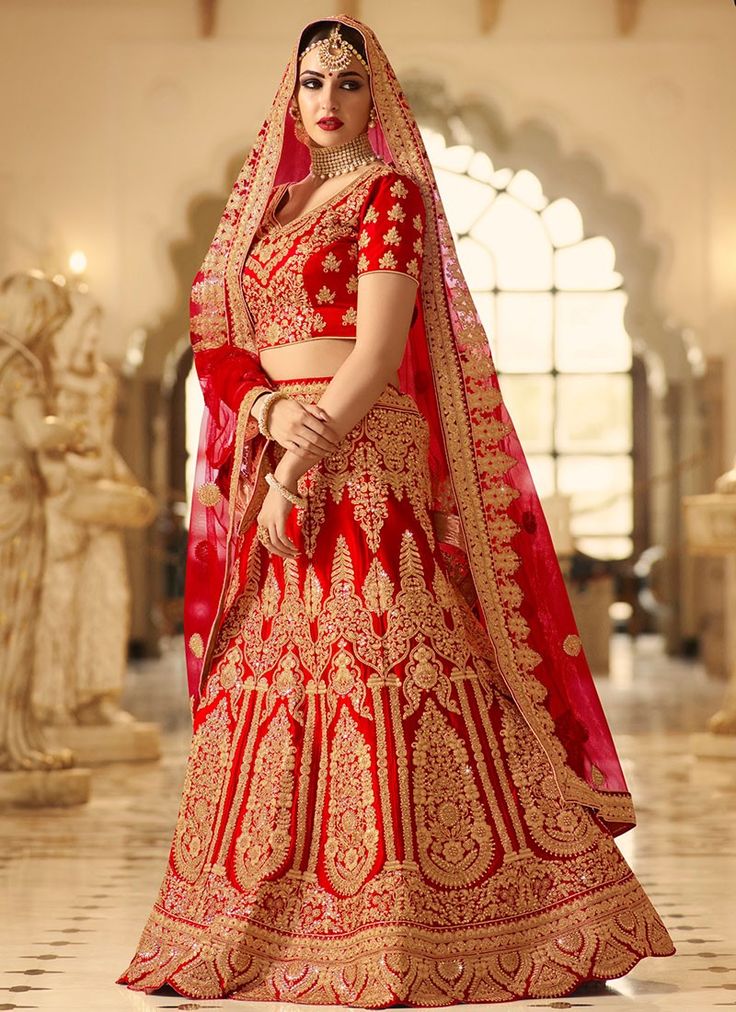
{"x":391,"y":184}
{"x":389,"y":176}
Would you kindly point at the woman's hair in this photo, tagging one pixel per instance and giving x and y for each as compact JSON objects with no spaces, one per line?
{"x":321,"y":29}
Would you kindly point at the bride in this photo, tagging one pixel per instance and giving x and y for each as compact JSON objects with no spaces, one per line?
{"x":401,"y":787}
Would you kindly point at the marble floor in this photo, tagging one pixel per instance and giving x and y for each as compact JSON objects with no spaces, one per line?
{"x":77,"y":884}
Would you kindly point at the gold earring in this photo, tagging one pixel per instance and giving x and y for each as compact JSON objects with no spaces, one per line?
{"x":371,"y":118}
{"x":299,"y":132}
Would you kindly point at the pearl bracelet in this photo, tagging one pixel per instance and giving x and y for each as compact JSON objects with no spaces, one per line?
{"x":264,"y":409}
{"x":294,"y":499}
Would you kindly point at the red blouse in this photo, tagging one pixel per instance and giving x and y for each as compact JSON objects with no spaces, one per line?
{"x":300,"y":280}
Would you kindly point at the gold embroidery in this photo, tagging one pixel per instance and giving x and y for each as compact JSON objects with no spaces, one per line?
{"x":418,"y":223}
{"x":556,"y":826}
{"x":597,"y":777}
{"x":387,"y":261}
{"x":572,"y":645}
{"x":345,"y":680}
{"x":325,"y":295}
{"x":352,"y":835}
{"x":362,"y":262}
{"x":263,"y":839}
{"x":273,"y":279}
{"x":454,"y":842}
{"x":349,"y":316}
{"x":398,"y":189}
{"x":378,"y":589}
{"x":209,"y":494}
{"x":352,"y":284}
{"x":396,"y":213}
{"x":370,"y":216}
{"x":196,"y":644}
{"x":206,"y":768}
{"x":392,"y":237}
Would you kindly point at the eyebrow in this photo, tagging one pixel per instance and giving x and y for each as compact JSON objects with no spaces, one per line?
{"x":343,"y":73}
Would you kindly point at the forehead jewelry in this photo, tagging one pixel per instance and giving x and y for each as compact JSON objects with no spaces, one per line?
{"x":335,"y":52}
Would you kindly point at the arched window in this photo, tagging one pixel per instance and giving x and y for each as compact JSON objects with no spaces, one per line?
{"x":553,"y":306}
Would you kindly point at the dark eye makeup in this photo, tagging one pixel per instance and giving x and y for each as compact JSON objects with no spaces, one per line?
{"x":307,"y":82}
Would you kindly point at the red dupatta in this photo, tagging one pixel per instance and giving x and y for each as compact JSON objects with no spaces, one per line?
{"x":487,"y":511}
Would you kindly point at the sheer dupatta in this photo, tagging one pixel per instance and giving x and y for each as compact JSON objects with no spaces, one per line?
{"x":487,"y":513}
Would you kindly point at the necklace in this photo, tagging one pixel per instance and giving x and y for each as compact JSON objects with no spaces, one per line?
{"x":329,"y":162}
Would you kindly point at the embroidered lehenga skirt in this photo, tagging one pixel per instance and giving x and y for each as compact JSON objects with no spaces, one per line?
{"x":366,"y":818}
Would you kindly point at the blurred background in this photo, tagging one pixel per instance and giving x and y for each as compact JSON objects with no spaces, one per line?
{"x":585,"y":152}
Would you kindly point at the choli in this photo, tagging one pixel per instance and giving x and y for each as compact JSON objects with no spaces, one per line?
{"x":300,"y":280}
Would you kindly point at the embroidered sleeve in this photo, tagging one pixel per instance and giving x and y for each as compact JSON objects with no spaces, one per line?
{"x":391,"y":234}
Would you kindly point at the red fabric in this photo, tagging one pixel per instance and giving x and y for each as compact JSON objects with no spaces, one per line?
{"x":301,"y":279}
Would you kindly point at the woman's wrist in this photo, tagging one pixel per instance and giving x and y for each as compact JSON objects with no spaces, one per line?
{"x":257,"y":400}
{"x":288,"y":470}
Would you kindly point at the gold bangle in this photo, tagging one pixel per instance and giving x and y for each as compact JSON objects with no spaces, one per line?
{"x":294,"y":499}
{"x":264,"y":411}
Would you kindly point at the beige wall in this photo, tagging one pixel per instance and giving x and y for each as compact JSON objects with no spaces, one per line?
{"x":116,"y":116}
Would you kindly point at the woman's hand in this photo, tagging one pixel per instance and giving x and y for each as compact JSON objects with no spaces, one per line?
{"x":303,"y":429}
{"x":272,"y":519}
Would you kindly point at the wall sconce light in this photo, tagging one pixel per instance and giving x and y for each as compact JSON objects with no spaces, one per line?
{"x":78,"y":262}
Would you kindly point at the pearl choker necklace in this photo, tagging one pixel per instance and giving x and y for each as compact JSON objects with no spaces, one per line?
{"x":329,"y":162}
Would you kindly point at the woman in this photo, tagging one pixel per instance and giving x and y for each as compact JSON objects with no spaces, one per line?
{"x":402,"y":788}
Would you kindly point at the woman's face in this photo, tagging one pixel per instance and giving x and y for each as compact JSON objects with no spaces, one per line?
{"x":339,"y":98}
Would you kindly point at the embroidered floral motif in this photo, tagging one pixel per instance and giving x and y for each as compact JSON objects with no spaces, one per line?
{"x":331,"y":262}
{"x":349,"y":316}
{"x":209,"y":494}
{"x":262,"y":840}
{"x":454,"y":841}
{"x":351,"y":846}
{"x":572,"y":645}
{"x":325,"y":295}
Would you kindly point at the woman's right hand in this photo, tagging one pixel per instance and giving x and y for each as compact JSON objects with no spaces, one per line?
{"x":303,"y":429}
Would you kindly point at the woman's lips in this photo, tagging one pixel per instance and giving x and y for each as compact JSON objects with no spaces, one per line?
{"x":330,"y":123}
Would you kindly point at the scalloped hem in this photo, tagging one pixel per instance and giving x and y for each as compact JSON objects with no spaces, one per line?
{"x":554,"y":968}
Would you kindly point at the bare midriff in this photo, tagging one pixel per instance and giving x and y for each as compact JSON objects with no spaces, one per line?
{"x":320,"y":356}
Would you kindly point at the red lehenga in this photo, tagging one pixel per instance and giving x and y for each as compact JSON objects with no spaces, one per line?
{"x":401,"y":787}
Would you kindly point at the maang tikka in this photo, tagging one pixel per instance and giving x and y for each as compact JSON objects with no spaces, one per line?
{"x":335,"y":52}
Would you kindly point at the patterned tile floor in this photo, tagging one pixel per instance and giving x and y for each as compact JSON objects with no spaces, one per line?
{"x":77,"y":884}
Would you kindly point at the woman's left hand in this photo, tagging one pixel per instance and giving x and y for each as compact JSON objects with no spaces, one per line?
{"x":272,"y":518}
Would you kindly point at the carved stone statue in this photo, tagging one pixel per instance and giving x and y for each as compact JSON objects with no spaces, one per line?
{"x":32,"y":308}
{"x":85,"y":607}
